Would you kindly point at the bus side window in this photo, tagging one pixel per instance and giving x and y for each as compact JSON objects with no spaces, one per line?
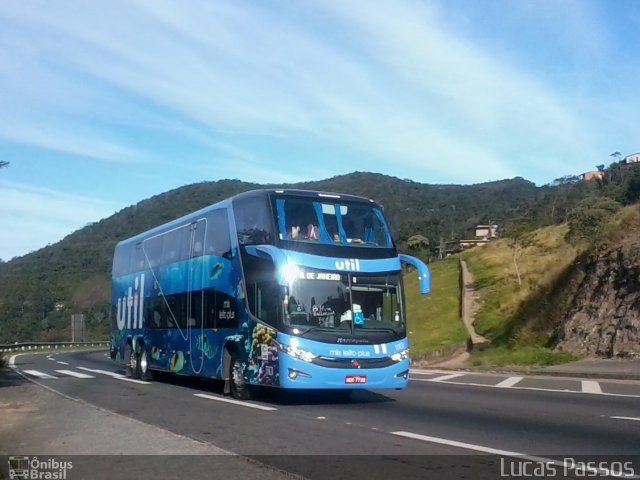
{"x":121,"y":261}
{"x":254,"y":220}
{"x":226,"y":315}
{"x":219,"y":240}
{"x":209,"y":313}
{"x":152,"y":250}
{"x":137,"y":259}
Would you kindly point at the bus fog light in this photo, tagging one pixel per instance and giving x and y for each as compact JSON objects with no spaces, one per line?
{"x":404,"y":374}
{"x":293,"y":374}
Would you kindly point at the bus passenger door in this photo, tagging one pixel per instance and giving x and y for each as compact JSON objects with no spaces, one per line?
{"x":195,"y":299}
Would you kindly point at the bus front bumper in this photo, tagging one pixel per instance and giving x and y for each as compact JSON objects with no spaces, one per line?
{"x":296,"y":373}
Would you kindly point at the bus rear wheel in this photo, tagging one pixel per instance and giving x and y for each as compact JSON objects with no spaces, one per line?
{"x":143,"y":365}
{"x":239,"y":388}
{"x":129,"y":358}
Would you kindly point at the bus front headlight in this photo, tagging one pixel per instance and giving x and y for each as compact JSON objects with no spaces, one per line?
{"x":399,"y":356}
{"x":290,"y":272}
{"x":299,"y":353}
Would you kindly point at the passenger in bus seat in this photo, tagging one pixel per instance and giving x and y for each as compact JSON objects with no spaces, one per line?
{"x":312,"y":232}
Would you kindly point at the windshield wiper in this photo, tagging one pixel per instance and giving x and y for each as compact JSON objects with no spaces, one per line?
{"x":365,"y":330}
{"x":317,"y":329}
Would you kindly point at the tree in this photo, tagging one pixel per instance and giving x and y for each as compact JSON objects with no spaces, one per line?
{"x":418,"y":244}
{"x":589,"y":220}
{"x":632,"y":187}
{"x":518,"y":235}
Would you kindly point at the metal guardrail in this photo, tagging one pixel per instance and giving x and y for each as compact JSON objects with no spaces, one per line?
{"x":26,"y":346}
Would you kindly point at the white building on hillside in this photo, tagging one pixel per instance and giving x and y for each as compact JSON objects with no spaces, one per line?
{"x":633,"y":158}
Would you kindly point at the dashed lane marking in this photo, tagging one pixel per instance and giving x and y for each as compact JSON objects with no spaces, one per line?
{"x":235,"y":402}
{"x":102,"y":372}
{"x":588,"y":386}
{"x":39,"y":374}
{"x":591,"y":386}
{"x":522,"y":456}
{"x":446,"y":377}
{"x":71,"y":373}
{"x":633,"y":419}
{"x":509,"y":382}
{"x":133,"y":380}
{"x":63,"y":363}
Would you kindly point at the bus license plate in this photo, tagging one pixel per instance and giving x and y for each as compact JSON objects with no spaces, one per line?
{"x":355,"y":379}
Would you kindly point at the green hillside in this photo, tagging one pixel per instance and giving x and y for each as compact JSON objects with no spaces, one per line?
{"x":39,"y":292}
{"x":434,"y":322}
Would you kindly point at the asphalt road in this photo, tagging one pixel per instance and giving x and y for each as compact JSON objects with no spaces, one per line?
{"x":445,"y":425}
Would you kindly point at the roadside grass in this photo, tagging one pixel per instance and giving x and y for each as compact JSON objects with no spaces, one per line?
{"x":519,"y":355}
{"x":3,"y":362}
{"x":506,"y":307}
{"x":433,"y":320}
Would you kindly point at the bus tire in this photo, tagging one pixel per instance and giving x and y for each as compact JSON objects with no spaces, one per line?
{"x":145,"y":373}
{"x":239,"y":388}
{"x":137,"y":370}
{"x":129,"y":360}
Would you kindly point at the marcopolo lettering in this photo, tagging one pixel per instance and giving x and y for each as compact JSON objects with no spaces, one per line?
{"x":130,"y":308}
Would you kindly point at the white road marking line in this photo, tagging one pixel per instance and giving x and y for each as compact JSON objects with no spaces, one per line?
{"x":63,"y":363}
{"x":535,"y":389}
{"x":71,"y":373}
{"x":627,"y":418}
{"x":421,"y":371}
{"x":133,"y":380}
{"x":509,"y":382}
{"x":101,"y":372}
{"x":36,"y":373}
{"x":49,"y":358}
{"x":446,"y":377}
{"x":235,"y":402}
{"x":507,"y":453}
{"x":591,"y":386}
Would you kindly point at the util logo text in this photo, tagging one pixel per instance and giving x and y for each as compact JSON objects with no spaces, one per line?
{"x":130,"y":308}
{"x":350,"y":265}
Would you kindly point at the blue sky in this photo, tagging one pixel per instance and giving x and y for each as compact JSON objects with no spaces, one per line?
{"x":104,"y":104}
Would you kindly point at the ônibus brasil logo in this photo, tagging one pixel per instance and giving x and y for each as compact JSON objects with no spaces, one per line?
{"x":130,"y":308}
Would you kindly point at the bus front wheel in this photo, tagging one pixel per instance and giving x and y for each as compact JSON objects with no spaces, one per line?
{"x":239,"y":388}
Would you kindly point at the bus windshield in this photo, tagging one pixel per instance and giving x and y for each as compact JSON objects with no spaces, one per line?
{"x":346,"y":302}
{"x":332,"y":222}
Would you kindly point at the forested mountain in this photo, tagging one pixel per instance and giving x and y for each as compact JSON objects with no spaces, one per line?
{"x":39,"y":291}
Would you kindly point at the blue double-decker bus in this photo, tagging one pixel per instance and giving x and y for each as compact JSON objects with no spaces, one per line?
{"x":286,"y":288}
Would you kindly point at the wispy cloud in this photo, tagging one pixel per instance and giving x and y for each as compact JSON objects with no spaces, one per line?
{"x":387,"y":82}
{"x":31,"y":217}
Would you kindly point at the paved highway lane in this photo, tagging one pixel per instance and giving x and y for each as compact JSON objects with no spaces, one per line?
{"x":441,"y":413}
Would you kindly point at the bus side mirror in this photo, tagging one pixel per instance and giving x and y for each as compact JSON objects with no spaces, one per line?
{"x":424,"y":276}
